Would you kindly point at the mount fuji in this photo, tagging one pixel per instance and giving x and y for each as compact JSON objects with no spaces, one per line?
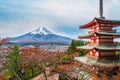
{"x":40,"y":36}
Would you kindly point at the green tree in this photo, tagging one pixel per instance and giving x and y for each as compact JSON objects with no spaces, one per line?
{"x":13,"y":62}
{"x":74,"y":44}
{"x":81,"y":43}
{"x":72,"y":47}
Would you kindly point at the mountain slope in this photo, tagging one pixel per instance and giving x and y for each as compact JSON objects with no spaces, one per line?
{"x":41,"y":36}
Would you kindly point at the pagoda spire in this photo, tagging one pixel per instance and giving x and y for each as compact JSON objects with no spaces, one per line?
{"x":101,"y":9}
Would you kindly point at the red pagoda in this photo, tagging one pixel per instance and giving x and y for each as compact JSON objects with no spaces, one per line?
{"x":101,"y":37}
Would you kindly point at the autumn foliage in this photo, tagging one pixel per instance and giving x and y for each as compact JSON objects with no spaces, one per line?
{"x":4,"y":40}
{"x":35,"y":61}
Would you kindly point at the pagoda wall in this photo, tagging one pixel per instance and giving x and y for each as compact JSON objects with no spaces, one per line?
{"x":104,"y":36}
{"x":109,"y":40}
{"x":101,"y":54}
{"x":107,"y":53}
{"x":99,"y":40}
{"x":105,"y":28}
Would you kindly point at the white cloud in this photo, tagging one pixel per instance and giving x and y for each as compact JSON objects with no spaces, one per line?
{"x":53,"y":14}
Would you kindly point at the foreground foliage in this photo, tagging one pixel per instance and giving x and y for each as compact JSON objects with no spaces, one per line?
{"x":28,"y":63}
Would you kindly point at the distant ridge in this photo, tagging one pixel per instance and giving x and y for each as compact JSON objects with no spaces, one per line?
{"x":40,"y":36}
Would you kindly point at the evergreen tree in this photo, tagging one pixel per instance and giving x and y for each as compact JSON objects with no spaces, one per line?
{"x":81,"y":43}
{"x":13,"y":62}
{"x":74,"y":44}
{"x":72,"y":47}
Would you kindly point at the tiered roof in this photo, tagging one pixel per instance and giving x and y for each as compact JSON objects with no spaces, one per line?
{"x":101,"y":22}
{"x":100,"y":47}
{"x":114,"y":34}
{"x":112,"y":23}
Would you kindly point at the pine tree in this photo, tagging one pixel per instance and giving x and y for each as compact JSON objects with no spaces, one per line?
{"x":13,"y":62}
{"x":74,"y":44}
{"x":72,"y":47}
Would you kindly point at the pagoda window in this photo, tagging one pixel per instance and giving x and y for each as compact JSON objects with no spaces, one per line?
{"x":91,"y":53}
{"x":95,"y":20}
{"x":97,"y":28}
{"x":94,"y":50}
{"x":97,"y":25}
{"x":97,"y":54}
{"x":92,"y":40}
{"x":95,"y":35}
{"x":97,"y":40}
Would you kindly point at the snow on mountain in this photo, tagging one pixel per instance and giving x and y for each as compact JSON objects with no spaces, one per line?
{"x":41,"y":31}
{"x":41,"y":36}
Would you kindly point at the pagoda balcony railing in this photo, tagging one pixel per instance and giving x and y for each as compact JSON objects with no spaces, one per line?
{"x":90,"y":43}
{"x":97,"y":43}
{"x":113,"y":31}
{"x":108,"y":30}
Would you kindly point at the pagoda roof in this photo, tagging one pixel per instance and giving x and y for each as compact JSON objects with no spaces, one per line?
{"x":95,"y":21}
{"x":108,"y":47}
{"x":85,"y":36}
{"x":108,"y":33}
{"x":100,"y":47}
{"x":115,"y":34}
{"x":86,"y":47}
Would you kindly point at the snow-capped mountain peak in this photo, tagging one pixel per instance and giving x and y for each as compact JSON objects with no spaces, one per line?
{"x":41,"y":31}
{"x":40,"y":36}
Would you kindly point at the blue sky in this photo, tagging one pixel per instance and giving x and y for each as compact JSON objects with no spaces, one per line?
{"x":62,"y":17}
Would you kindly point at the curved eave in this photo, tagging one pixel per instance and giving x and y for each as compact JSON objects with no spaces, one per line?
{"x":108,"y":33}
{"x":88,"y":25}
{"x":85,"y":37}
{"x":107,"y":21}
{"x":108,"y":47}
{"x":86,"y":47}
{"x":112,"y":49}
{"x":113,"y":23}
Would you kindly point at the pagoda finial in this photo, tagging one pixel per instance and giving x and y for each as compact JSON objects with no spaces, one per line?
{"x":101,"y":9}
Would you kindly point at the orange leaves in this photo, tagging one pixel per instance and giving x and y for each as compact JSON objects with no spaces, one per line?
{"x":40,"y":56}
{"x":74,"y":55}
{"x":117,"y":77}
{"x":31,"y":50}
{"x":3,"y":41}
{"x":67,"y":68}
{"x":104,"y":77}
{"x":95,"y":77}
{"x":63,"y":68}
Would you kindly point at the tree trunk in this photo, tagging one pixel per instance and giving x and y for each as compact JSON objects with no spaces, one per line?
{"x":45,"y":74}
{"x":32,"y":72}
{"x":17,"y":75}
